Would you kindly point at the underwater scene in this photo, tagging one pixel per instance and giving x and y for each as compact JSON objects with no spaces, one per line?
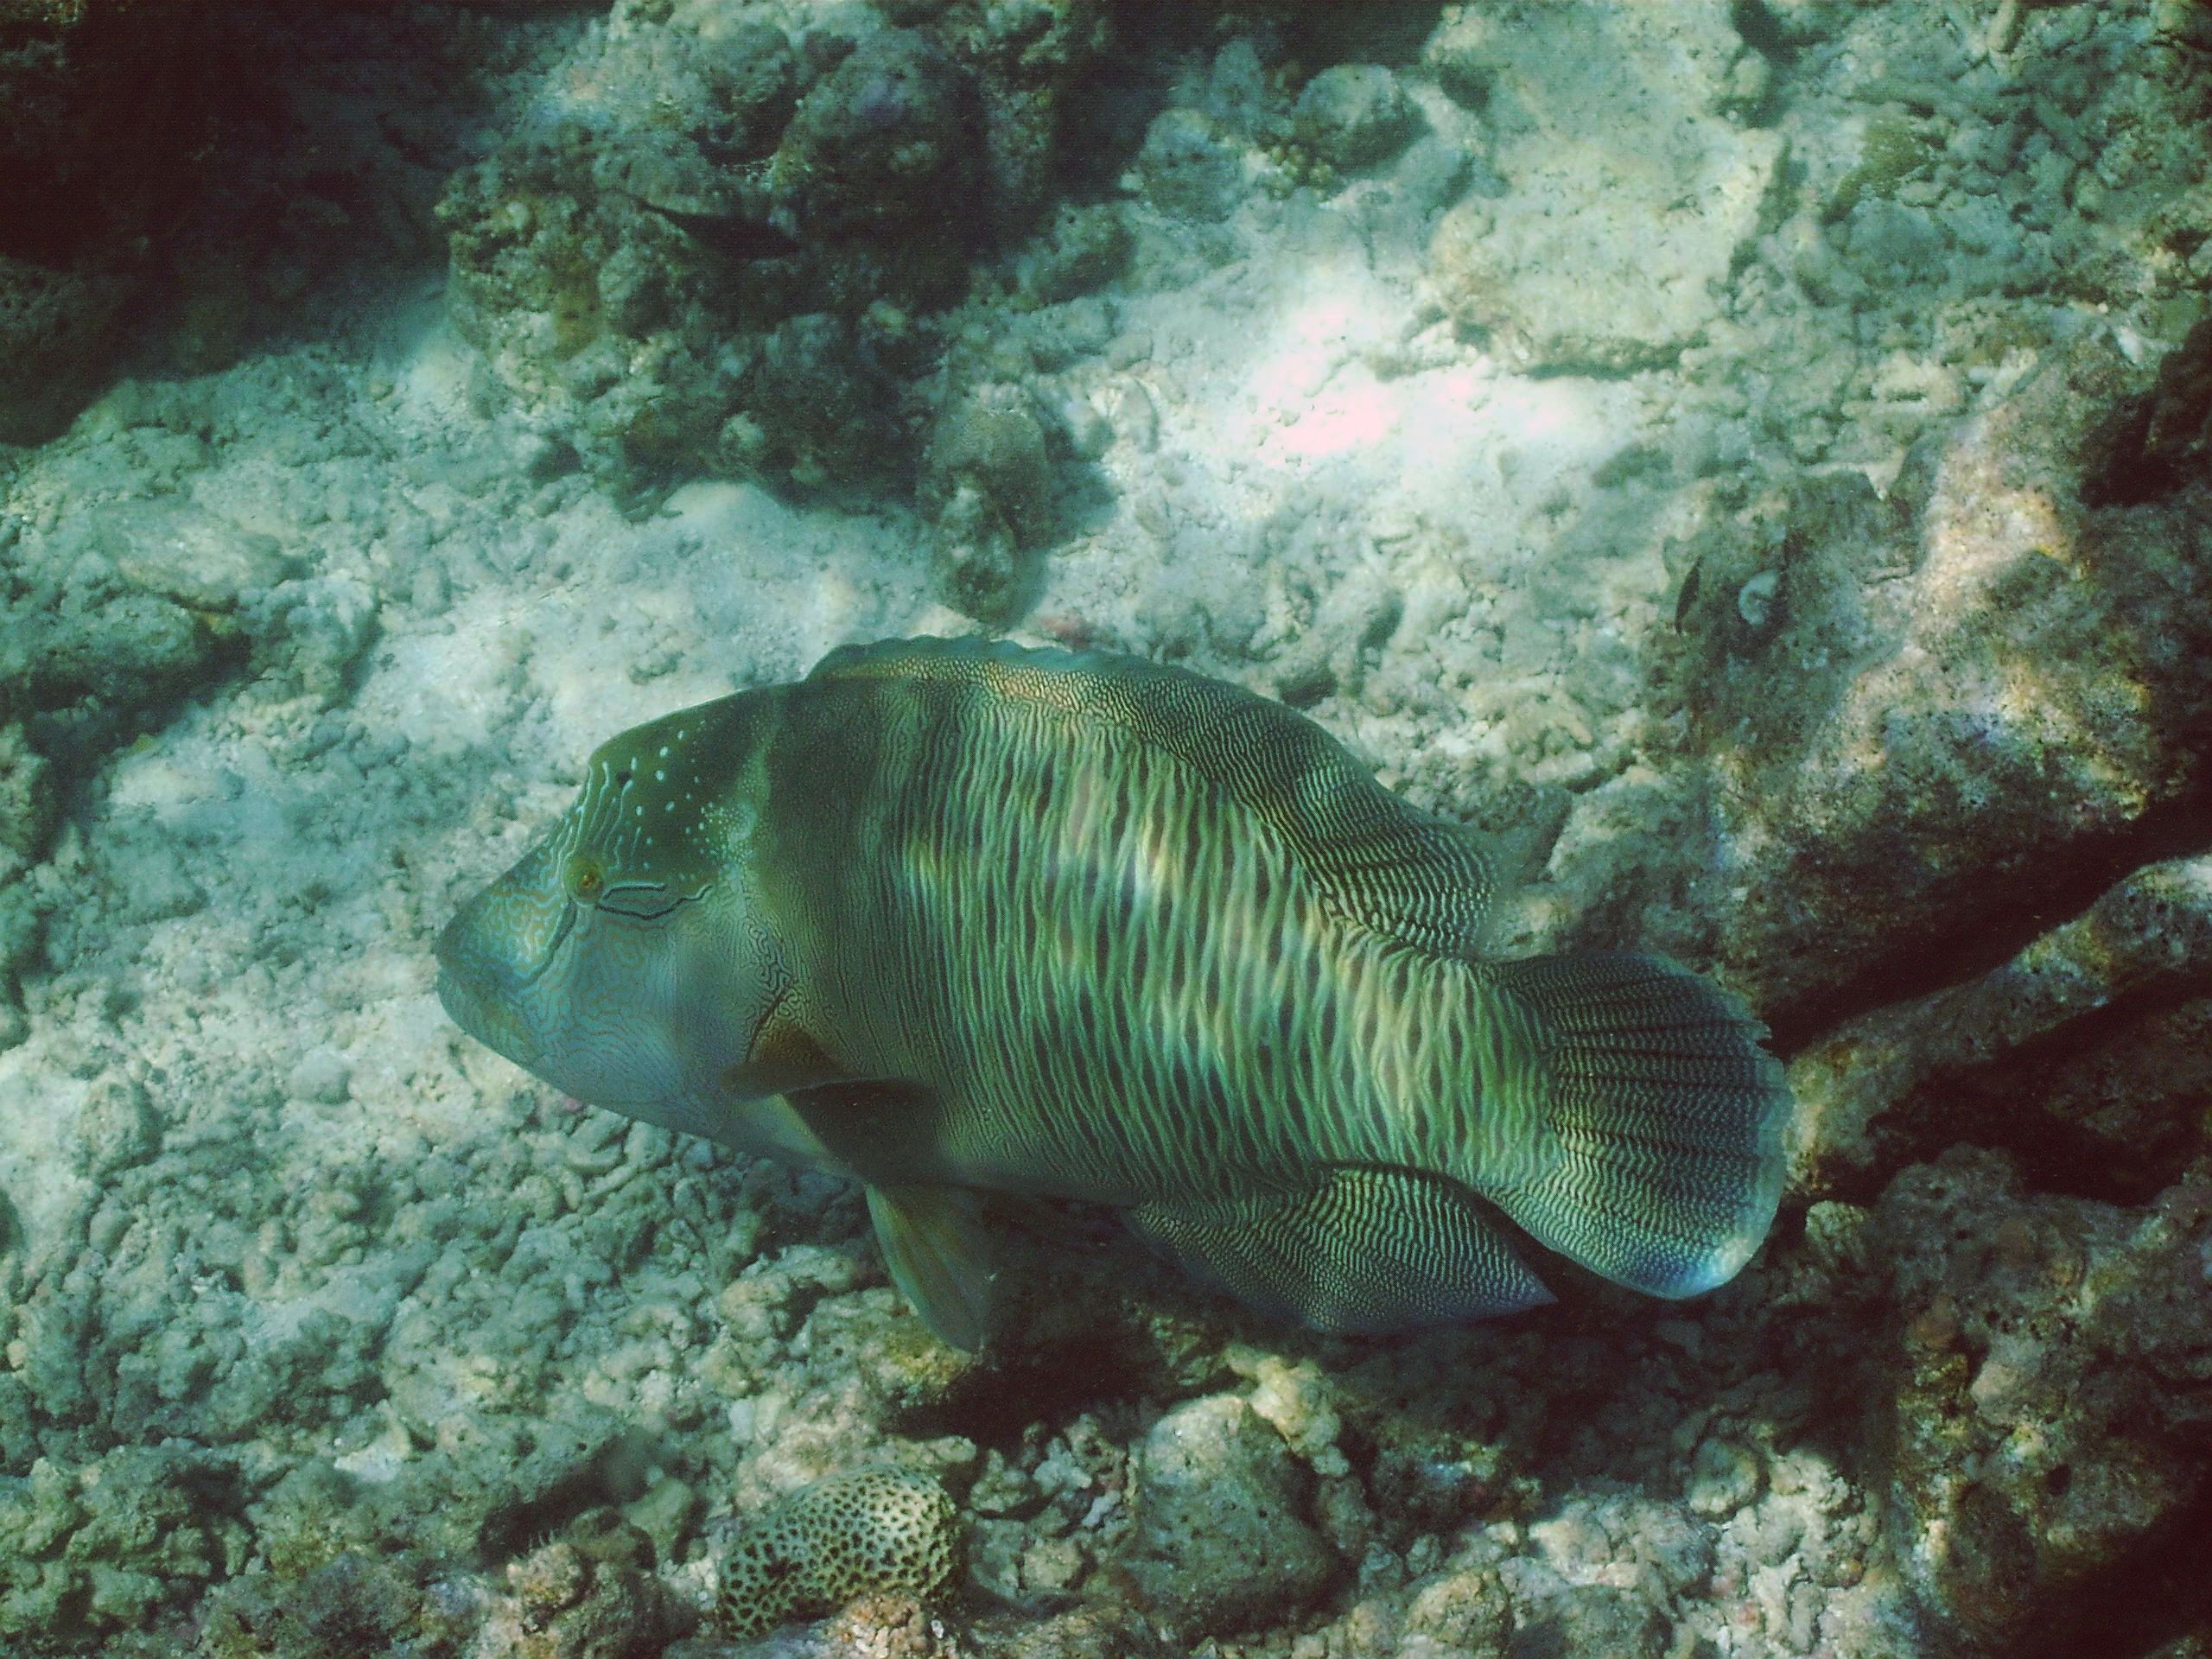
{"x":1105,"y":830}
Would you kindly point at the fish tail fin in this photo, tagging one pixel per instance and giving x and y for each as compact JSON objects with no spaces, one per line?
{"x":1660,"y":1121}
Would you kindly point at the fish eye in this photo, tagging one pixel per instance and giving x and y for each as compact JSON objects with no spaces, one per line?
{"x":584,"y":877}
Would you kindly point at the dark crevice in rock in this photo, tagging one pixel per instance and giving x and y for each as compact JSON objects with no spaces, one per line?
{"x":2154,"y":444}
{"x":2053,"y":1157}
{"x":2139,"y":1605}
{"x":1052,"y":1385}
{"x":1997,"y":1107}
{"x":2012,"y":918}
{"x":2057,"y":1156}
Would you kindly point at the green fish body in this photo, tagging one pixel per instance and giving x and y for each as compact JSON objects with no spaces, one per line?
{"x":955,"y":918}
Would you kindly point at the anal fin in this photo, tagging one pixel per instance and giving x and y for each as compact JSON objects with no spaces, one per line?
{"x":1362,"y":1251}
{"x":939,"y":1257}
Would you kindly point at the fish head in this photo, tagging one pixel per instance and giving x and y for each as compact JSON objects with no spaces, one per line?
{"x":623,"y":959}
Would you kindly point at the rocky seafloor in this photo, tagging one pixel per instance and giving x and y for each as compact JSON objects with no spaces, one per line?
{"x":1763,"y":449}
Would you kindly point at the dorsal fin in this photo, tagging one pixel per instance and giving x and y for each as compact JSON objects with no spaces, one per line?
{"x":1385,"y":865}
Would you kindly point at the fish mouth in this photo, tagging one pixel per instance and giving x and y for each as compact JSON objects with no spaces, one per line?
{"x":491,"y":1022}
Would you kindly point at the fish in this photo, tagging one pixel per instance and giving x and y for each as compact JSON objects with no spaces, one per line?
{"x":968,"y":922}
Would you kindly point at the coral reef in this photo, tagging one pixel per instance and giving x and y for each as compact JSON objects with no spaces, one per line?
{"x":2054,"y":1402}
{"x":597,"y":1601}
{"x":355,"y":1603}
{"x":764,"y":287}
{"x":582,"y":1597}
{"x":1986,"y":671}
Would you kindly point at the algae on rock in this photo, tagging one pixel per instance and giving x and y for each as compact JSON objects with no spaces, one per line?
{"x":712,"y":251}
{"x":1220,"y":1543}
{"x":2085,"y":1054}
{"x":1955,"y":697}
{"x":2052,"y":1412}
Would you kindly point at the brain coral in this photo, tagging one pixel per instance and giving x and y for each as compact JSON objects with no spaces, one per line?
{"x":846,"y":1535}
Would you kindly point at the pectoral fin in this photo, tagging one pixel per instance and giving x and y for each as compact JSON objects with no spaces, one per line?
{"x":784,"y":1057}
{"x":1362,"y":1251}
{"x":939,"y":1257}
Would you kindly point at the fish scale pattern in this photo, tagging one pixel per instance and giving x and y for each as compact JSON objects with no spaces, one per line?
{"x":1363,"y":1251}
{"x":1390,"y":866}
{"x":1142,"y":953}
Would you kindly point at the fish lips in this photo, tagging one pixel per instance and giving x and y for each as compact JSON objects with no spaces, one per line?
{"x":485,"y":1011}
